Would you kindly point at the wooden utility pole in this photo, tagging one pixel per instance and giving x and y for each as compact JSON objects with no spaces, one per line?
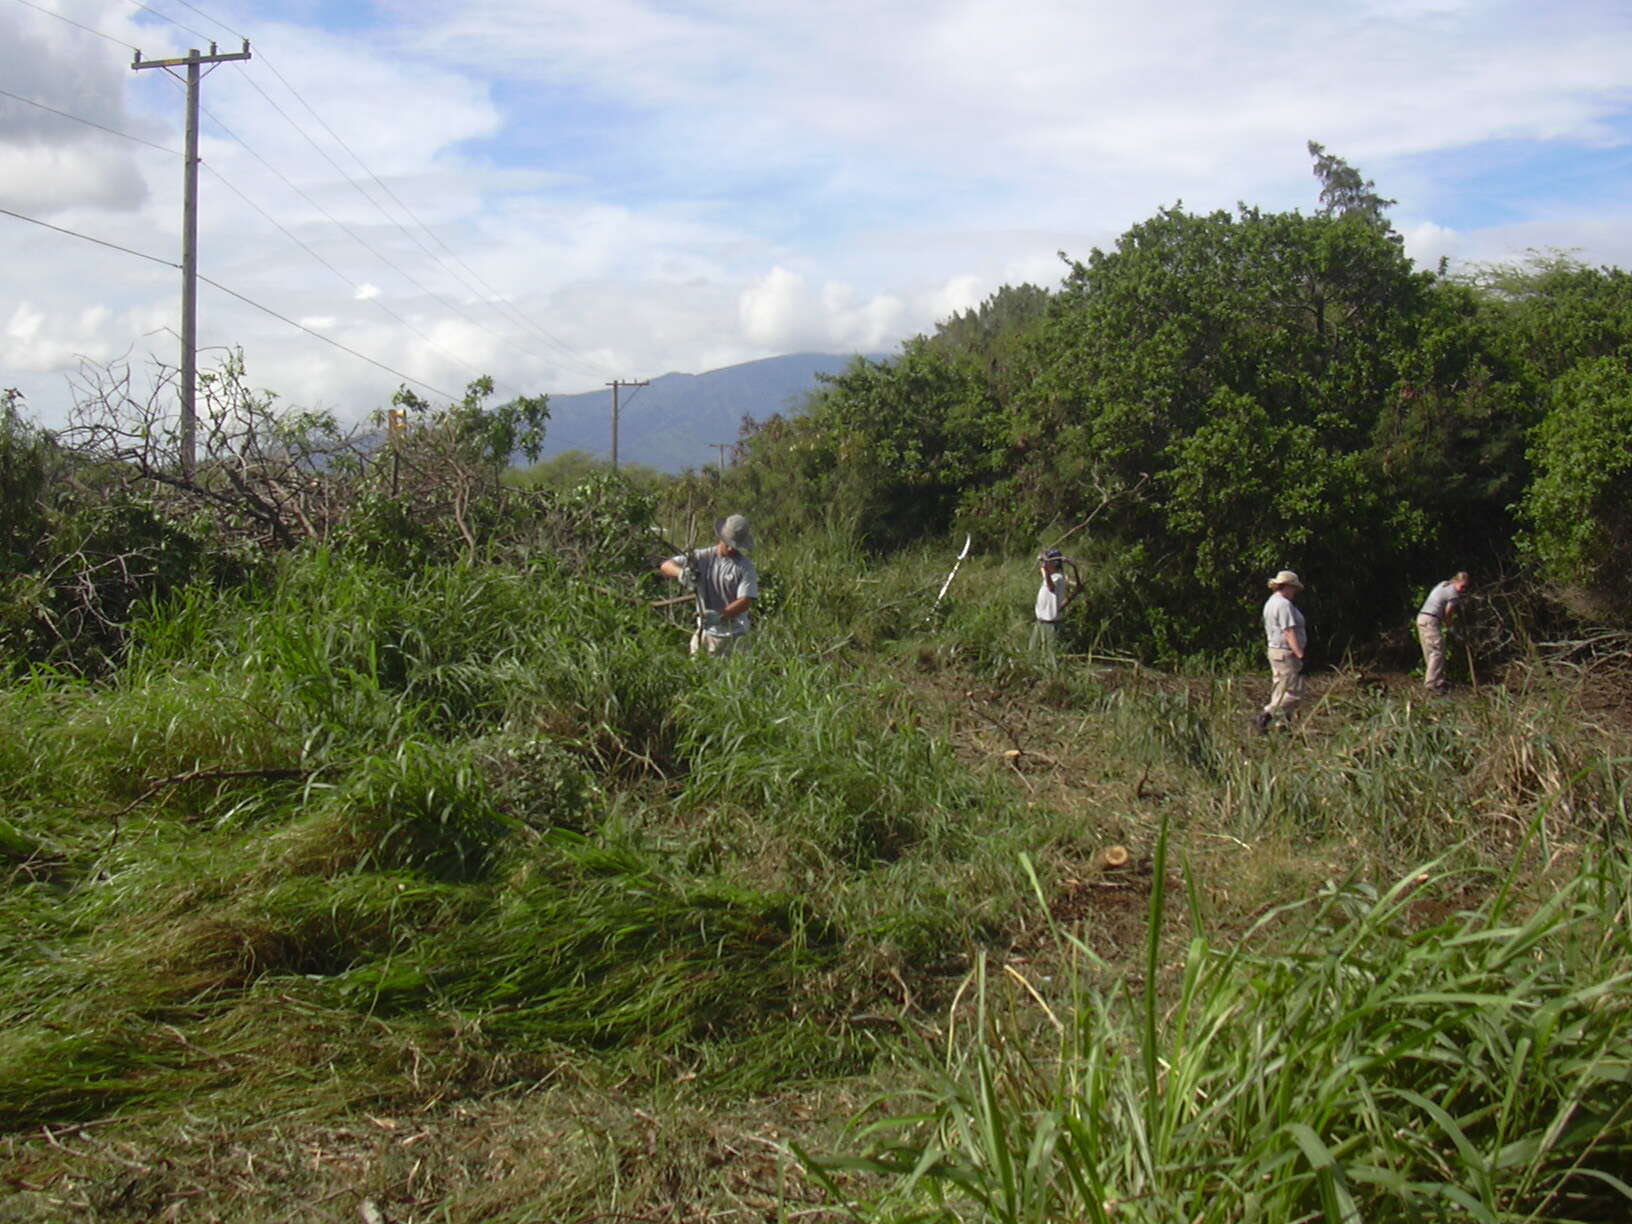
{"x":720,"y":446}
{"x":615,"y":384}
{"x":189,"y":240}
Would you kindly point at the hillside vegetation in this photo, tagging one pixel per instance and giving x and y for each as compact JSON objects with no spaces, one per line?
{"x":371,"y":848}
{"x":1219,"y":397}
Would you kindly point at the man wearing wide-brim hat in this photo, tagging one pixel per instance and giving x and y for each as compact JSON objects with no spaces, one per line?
{"x":1288,"y":639}
{"x":727,"y":585}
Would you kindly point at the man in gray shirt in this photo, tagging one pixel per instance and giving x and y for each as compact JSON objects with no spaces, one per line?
{"x":1432,"y":620}
{"x":1288,"y":639}
{"x":727,"y":585}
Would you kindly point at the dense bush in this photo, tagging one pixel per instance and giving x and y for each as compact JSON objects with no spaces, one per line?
{"x":1581,"y":520}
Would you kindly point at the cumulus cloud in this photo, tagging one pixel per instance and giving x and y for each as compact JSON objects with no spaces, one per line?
{"x":776,"y":310}
{"x":633,"y":187}
{"x":36,"y":343}
{"x":58,"y":147}
{"x":780,"y":313}
{"x":959,"y":294}
{"x":1427,"y":243}
{"x":45,"y":181}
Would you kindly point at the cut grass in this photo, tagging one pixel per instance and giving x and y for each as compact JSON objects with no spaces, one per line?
{"x":532,"y":858}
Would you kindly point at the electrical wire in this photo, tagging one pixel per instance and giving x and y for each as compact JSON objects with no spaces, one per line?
{"x":114,"y":246}
{"x":89,"y":122}
{"x":490,"y":295}
{"x":248,"y":301}
{"x":350,"y":232}
{"x":494,"y":298}
{"x":39,"y":8}
{"x":162,"y":17}
{"x":347,"y":281}
{"x":326,"y":339}
{"x":498,"y":301}
{"x":227,"y":183}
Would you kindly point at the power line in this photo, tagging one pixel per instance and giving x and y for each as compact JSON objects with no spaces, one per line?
{"x":321,"y":152}
{"x":248,"y":301}
{"x":162,"y":17}
{"x":343,"y":278}
{"x":207,"y":17}
{"x":491,"y":293}
{"x":494,"y":298}
{"x":327,"y":339}
{"x":99,"y":241}
{"x":38,"y":8}
{"x":89,"y":123}
{"x":271,"y":220}
{"x":353,"y":234}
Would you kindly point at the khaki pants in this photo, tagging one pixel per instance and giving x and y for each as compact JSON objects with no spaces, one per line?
{"x":1432,"y":635}
{"x":1045,"y":641}
{"x":1287,"y":671}
{"x":716,"y":646}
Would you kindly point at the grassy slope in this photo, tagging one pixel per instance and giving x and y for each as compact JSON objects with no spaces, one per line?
{"x":470,"y":897}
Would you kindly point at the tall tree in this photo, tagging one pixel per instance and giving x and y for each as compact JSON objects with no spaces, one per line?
{"x":1344,"y":193}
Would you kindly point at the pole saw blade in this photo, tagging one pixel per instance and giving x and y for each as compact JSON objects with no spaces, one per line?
{"x":968,"y":541}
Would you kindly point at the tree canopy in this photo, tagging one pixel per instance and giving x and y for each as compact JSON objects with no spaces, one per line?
{"x":1228,"y":393}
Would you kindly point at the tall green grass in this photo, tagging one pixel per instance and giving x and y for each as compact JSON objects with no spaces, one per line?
{"x":1392,"y":1061}
{"x":368,"y":839}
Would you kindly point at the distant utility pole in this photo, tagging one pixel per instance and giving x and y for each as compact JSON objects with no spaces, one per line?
{"x":615,"y":384}
{"x":720,"y":446}
{"x":189,"y":240}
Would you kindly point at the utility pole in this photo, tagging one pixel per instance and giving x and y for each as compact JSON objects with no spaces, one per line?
{"x":720,"y":446}
{"x":189,"y":240}
{"x":615,"y":384}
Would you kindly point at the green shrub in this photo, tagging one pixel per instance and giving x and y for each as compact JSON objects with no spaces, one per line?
{"x":1581,"y":527}
{"x":425,"y":808}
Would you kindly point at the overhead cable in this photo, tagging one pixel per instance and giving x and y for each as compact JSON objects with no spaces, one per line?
{"x":248,"y":301}
{"x":89,"y":123}
{"x":510,"y":312}
{"x":40,"y":8}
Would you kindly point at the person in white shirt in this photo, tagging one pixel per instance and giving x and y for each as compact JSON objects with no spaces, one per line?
{"x":1288,"y":640}
{"x":1432,"y":620}
{"x":1051,"y":601}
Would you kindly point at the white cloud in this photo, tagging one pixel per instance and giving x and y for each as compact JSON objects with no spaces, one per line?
{"x":36,"y":342}
{"x":780,"y":313}
{"x":776,"y":310}
{"x":959,"y":294}
{"x":43,"y":181}
{"x":655,"y":187}
{"x":1427,"y":243}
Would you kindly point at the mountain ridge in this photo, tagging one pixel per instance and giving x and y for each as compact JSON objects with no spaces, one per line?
{"x":678,"y":420}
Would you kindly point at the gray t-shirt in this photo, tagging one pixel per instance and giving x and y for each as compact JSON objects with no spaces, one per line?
{"x":721,"y":581}
{"x":1281,"y":614}
{"x":1441,"y":600}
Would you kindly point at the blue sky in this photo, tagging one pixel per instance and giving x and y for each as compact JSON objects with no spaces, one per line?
{"x":622,"y":189}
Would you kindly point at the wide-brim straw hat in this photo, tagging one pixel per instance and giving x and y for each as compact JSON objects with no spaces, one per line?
{"x":1286,"y":578}
{"x":736,"y":533}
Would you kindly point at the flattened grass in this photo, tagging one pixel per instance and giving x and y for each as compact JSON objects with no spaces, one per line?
{"x":522,"y":847}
